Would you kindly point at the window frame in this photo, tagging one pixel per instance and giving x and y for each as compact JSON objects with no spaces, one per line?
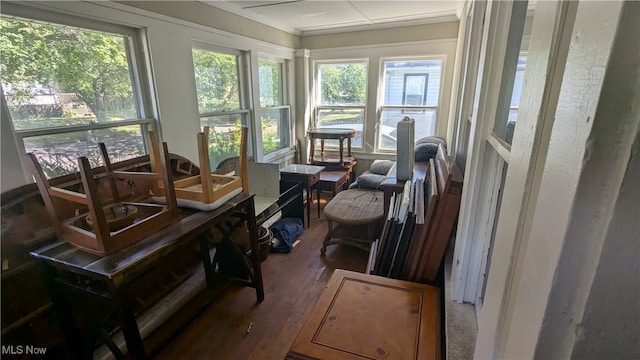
{"x":319,"y":107}
{"x":411,"y":108}
{"x":285,"y":99}
{"x":244,"y":102}
{"x":138,"y":69}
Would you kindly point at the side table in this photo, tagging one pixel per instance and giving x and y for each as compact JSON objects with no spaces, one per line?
{"x":358,"y":213}
{"x":335,"y":134}
{"x":308,"y":175}
{"x":367,"y":317}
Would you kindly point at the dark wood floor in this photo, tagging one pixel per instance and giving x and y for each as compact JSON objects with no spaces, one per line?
{"x":293,"y":282}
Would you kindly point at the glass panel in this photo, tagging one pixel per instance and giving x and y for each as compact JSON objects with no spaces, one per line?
{"x":275,"y":129}
{"x":411,"y":83}
{"x":505,"y":129}
{"x":270,"y":73}
{"x":224,"y":136}
{"x":414,"y":82}
{"x":425,"y":125}
{"x":515,"y":99}
{"x":342,"y":118}
{"x":58,"y":153}
{"x":55,"y":76}
{"x":343,"y":84}
{"x":217,"y":83}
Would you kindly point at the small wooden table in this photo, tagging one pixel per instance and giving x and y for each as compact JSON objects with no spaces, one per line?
{"x":334,"y":134}
{"x":308,"y":175}
{"x":358,"y":213}
{"x":333,"y":181}
{"x":360,"y":316}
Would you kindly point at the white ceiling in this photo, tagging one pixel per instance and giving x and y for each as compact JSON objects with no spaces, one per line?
{"x":308,"y":17}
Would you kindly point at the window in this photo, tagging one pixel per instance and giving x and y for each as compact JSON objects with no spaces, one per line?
{"x":410,"y":88}
{"x":274,"y":114}
{"x":515,"y":98}
{"x":341,"y":97}
{"x":69,"y":88}
{"x":220,"y":101}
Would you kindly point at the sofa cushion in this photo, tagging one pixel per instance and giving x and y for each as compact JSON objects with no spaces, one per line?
{"x":369,"y":180}
{"x":427,"y":147}
{"x":381,"y":167}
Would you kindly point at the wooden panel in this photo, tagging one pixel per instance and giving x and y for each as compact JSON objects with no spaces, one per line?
{"x":419,"y":241}
{"x":362,"y":316}
{"x":450,"y":190}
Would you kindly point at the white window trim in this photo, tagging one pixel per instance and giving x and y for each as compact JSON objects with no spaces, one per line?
{"x":380,"y":97}
{"x":137,"y":61}
{"x":442,"y":48}
{"x":287,"y":100}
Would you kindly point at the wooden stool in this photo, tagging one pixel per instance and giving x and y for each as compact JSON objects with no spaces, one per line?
{"x":333,"y":181}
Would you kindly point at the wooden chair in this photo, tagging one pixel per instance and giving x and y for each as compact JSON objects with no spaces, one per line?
{"x":207,"y":187}
{"x":99,"y":238}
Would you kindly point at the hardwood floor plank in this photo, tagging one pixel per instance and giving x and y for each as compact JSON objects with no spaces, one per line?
{"x":293,"y":283}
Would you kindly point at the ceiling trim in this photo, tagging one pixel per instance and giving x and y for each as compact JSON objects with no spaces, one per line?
{"x":442,"y":16}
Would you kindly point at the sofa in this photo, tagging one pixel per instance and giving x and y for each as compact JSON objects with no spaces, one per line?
{"x":426,"y":148}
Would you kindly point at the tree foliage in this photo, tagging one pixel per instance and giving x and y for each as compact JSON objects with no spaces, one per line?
{"x":270,"y":82}
{"x":92,"y":65}
{"x":343,"y":84}
{"x":216,"y":81}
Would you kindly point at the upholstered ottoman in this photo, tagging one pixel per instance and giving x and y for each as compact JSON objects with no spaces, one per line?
{"x":358,"y":215}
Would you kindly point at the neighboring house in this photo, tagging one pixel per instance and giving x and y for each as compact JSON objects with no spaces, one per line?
{"x":547,"y":240}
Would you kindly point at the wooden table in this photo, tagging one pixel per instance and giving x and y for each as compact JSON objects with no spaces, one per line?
{"x":358,"y":213}
{"x":308,"y":175}
{"x":334,"y":134}
{"x":334,"y":181}
{"x":69,"y":270}
{"x":360,"y":316}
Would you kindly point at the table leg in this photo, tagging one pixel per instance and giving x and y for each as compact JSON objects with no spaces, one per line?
{"x":209,"y":271}
{"x":308,"y":204}
{"x":255,"y":252}
{"x":128,"y":323}
{"x":312,"y":150}
{"x":322,"y":148}
{"x":323,"y":250}
{"x":349,"y":147}
{"x":341,"y":140}
{"x":318,"y":197}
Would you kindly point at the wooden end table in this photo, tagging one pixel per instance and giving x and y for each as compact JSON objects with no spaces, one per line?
{"x":334,"y":134}
{"x":361,"y":316}
{"x":334,"y":181}
{"x":358,"y":213}
{"x":308,"y":175}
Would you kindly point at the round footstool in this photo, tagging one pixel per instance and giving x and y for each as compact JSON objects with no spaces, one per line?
{"x":357,"y":214}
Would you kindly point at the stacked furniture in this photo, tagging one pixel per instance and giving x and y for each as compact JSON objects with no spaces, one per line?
{"x":341,"y":166}
{"x":110,"y":299}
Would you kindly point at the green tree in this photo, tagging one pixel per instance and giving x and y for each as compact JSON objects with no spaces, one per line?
{"x":92,"y":65}
{"x":343,"y":84}
{"x":216,"y":81}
